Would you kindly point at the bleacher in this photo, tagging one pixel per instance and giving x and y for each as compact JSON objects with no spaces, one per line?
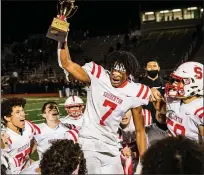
{"x":168,"y":46}
{"x":199,"y":57}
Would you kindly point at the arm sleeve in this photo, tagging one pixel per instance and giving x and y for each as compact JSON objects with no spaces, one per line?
{"x":93,"y":70}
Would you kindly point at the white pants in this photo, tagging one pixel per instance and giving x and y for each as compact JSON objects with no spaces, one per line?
{"x":139,"y":168}
{"x":102,"y":163}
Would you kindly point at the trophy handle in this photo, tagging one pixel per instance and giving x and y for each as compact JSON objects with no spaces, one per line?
{"x":75,"y":9}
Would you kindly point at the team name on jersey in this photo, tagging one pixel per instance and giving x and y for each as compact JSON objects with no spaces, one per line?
{"x":23,"y":147}
{"x":172,"y":115}
{"x":112,"y":97}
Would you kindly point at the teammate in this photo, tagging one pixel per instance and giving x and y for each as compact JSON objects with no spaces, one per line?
{"x":17,"y":134}
{"x":63,"y":157}
{"x":184,"y":101}
{"x":74,"y":106}
{"x":52,"y":129}
{"x":174,"y":155}
{"x":111,"y":94}
{"x":129,"y":152}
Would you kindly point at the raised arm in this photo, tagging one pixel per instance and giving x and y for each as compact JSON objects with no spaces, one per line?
{"x":139,"y":129}
{"x":68,"y":65}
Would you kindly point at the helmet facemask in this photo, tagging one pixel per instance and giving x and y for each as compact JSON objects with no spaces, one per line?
{"x":75,"y":111}
{"x":179,"y":87}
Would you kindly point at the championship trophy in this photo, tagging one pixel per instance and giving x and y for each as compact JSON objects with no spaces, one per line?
{"x":59,"y":27}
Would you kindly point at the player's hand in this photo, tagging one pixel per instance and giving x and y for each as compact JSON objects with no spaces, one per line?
{"x":155,"y":95}
{"x":4,"y":139}
{"x":126,"y":152}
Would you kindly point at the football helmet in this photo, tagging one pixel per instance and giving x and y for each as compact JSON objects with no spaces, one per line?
{"x":74,"y":106}
{"x":186,"y":81}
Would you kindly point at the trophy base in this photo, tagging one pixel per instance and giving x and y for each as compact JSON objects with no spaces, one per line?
{"x":56,"y":34}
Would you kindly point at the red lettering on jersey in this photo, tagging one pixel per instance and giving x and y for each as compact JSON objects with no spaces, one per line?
{"x":108,"y":113}
{"x":21,"y":157}
{"x":199,"y":112}
{"x":199,"y":73}
{"x":176,"y":127}
{"x":93,"y":68}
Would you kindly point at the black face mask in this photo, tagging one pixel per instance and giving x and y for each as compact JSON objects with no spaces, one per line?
{"x":152,"y":73}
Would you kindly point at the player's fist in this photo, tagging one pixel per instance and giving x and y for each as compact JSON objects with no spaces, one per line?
{"x":126,"y":152}
{"x":155,"y":95}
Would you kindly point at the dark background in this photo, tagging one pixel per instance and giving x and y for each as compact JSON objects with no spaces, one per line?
{"x":22,"y":18}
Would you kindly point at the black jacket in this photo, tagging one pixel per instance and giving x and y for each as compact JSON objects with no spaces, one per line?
{"x":159,"y":84}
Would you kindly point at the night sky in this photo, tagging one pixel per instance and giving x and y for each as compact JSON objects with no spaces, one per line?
{"x":21,"y":18}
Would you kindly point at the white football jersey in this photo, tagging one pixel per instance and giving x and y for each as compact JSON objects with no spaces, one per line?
{"x":18,"y":149}
{"x":105,"y":108}
{"x":184,"y":119}
{"x":71,"y":120}
{"x":48,"y":135}
{"x":32,"y":169}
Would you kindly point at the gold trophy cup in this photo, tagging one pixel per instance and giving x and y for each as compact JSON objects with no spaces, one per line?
{"x":59,"y":27}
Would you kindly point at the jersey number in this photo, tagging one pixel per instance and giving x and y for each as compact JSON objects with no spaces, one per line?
{"x":177,"y":127}
{"x":108,"y":113}
{"x":21,"y":157}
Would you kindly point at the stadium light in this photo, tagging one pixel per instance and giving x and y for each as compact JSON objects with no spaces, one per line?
{"x":176,"y":10}
{"x":201,"y":10}
{"x":149,"y":13}
{"x":164,"y":11}
{"x":192,"y":8}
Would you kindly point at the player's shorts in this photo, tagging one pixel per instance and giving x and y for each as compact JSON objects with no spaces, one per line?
{"x":103,"y":163}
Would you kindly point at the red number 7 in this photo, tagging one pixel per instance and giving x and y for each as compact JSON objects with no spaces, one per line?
{"x":105,"y":116}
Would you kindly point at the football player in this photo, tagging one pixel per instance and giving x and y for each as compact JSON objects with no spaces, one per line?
{"x":129,"y":152}
{"x":63,"y":157}
{"x":17,"y":135}
{"x":184,"y":101}
{"x":111,"y":94}
{"x":74,"y":106}
{"x":52,"y":129}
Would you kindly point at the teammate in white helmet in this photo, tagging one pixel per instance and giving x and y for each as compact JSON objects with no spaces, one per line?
{"x":184,"y":101}
{"x":74,"y":106}
{"x":52,"y":129}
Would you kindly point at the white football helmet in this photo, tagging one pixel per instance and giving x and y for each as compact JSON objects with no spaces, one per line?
{"x":74,"y":106}
{"x":189,"y":81}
